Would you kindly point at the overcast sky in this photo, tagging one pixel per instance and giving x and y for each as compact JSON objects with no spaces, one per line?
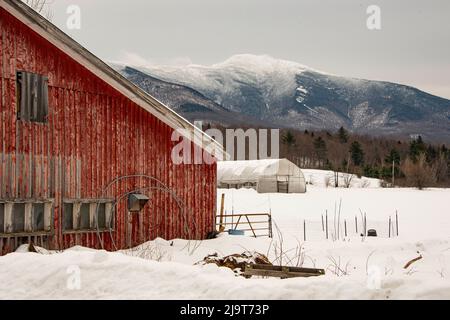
{"x":412,"y":47}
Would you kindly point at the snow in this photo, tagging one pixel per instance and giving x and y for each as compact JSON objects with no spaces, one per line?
{"x":356,"y":268}
{"x":302,"y":90}
{"x":274,"y":77}
{"x":422,"y":214}
{"x":118,"y":276}
{"x":250,"y":170}
{"x":320,"y":178}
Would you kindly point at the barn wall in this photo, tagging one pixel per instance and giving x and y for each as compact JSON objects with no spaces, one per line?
{"x":93,"y":135}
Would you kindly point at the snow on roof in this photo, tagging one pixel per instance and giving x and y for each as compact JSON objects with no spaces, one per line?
{"x":250,"y":170}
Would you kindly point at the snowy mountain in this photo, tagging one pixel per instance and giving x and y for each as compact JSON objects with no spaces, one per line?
{"x":186,"y":101}
{"x":288,"y":94}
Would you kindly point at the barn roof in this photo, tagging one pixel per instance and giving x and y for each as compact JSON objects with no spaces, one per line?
{"x":77,"y":52}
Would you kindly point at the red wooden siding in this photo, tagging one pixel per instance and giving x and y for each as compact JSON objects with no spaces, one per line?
{"x":93,"y":135}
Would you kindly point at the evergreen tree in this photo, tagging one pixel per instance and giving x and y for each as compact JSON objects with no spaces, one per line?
{"x":288,"y":139}
{"x":393,"y":156}
{"x":371,"y":172}
{"x":343,"y":135}
{"x":416,"y":148}
{"x":320,"y":148}
{"x":357,"y":153}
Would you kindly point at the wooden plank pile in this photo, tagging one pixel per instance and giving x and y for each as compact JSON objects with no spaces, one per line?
{"x":282,"y":272}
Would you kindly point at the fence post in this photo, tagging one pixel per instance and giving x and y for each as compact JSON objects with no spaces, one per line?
{"x":365,"y":224}
{"x":396,"y":221}
{"x":389,"y":226}
{"x":270,"y":225}
{"x":304,"y":230}
{"x":356,"y":224}
{"x":222,"y":204}
{"x":345,"y":227}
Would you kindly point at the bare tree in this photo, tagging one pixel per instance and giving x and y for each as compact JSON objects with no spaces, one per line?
{"x":441,"y":168}
{"x":327,"y":181}
{"x":41,"y":6}
{"x":348,"y":178}
{"x":418,"y":174}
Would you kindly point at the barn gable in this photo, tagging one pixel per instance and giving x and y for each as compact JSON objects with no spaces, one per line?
{"x":66,"y":172}
{"x":80,"y":54}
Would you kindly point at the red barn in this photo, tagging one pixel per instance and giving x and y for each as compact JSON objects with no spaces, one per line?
{"x":85,"y":156}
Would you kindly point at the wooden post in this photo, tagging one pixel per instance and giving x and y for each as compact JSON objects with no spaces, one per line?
{"x":323,"y":227}
{"x":270,"y":225}
{"x":251,"y":227}
{"x":326,"y":223}
{"x":222,"y":204}
{"x":389,"y":226}
{"x":345,"y":227}
{"x":237,"y":223}
{"x":365,"y":224}
{"x":304,"y":230}
{"x":356,"y":224}
{"x":396,"y":221}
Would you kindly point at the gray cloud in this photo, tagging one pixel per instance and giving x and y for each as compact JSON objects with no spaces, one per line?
{"x":413,"y":46}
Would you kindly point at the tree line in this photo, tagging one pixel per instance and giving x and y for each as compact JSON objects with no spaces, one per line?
{"x":413,"y":163}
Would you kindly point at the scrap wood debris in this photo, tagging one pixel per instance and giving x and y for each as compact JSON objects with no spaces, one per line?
{"x":236,"y":262}
{"x":407,"y":265}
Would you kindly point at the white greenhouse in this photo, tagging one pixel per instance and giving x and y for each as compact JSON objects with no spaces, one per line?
{"x":266,"y":176}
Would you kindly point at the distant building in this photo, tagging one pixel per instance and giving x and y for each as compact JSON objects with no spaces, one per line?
{"x":265,"y":176}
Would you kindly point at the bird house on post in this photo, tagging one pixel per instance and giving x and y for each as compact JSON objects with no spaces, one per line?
{"x":136,"y":202}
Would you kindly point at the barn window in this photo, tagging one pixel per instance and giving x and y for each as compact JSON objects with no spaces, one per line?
{"x":18,"y":217}
{"x":81,"y":215}
{"x":101,"y":216}
{"x":68,"y":216}
{"x":32,"y":97}
{"x":2,"y":217}
{"x":25,"y":217}
{"x":38,"y":214}
{"x":85,"y":216}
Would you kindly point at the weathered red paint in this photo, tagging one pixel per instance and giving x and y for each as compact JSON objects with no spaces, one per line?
{"x":93,"y":135}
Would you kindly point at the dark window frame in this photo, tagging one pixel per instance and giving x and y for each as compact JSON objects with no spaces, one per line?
{"x":18,"y":222}
{"x":32,"y":97}
{"x":2,"y":217}
{"x":35,"y":217}
{"x":38,"y":208}
{"x":84,"y":222}
{"x":82,"y":226}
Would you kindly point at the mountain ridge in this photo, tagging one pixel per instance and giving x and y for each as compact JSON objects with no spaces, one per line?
{"x":290,"y":95}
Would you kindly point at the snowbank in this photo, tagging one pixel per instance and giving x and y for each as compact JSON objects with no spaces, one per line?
{"x":356,"y":268}
{"x":325,"y":178}
{"x":118,"y":276}
{"x":422,"y":214}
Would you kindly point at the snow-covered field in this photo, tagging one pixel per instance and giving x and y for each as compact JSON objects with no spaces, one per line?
{"x":356,"y":268}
